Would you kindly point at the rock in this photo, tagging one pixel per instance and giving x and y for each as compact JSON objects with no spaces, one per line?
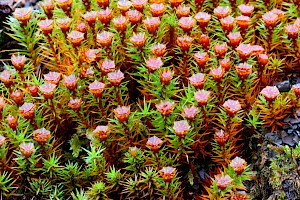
{"x":36,"y":7}
{"x":287,"y":120}
{"x":294,"y":79}
{"x":5,"y":11}
{"x":298,"y":113}
{"x":287,"y":185}
{"x":202,"y":173}
{"x":236,"y":62}
{"x":285,"y":127}
{"x":284,"y":86}
{"x":296,"y":139}
{"x":273,"y":137}
{"x":278,"y":141}
{"x":27,"y":4}
{"x":270,"y":135}
{"x":6,"y":2}
{"x":290,"y":131}
{"x":294,"y":121}
{"x":289,"y":139}
{"x":295,"y":127}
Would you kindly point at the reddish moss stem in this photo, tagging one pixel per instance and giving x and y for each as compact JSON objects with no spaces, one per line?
{"x":224,"y":154}
{"x":194,"y":172}
{"x":101,"y":107}
{"x":53,"y":50}
{"x":267,"y":3}
{"x":270,"y":33}
{"x":169,"y":191}
{"x":220,"y":93}
{"x":297,"y":54}
{"x":185,"y":68}
{"x":127,"y":133}
{"x":199,"y":6}
{"x":214,"y":3}
{"x":228,"y":125}
{"x":233,"y":4}
{"x":157,"y":160}
{"x":23,"y":79}
{"x":205,"y":122}
{"x":118,"y":96}
{"x":33,"y":123}
{"x":94,"y":34}
{"x":83,"y":120}
{"x":57,"y":122}
{"x":171,"y":41}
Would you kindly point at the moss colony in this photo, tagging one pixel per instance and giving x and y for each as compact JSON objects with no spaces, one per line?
{"x":144,"y":100}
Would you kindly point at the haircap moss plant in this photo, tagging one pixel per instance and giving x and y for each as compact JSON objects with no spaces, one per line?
{"x":134,"y":99}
